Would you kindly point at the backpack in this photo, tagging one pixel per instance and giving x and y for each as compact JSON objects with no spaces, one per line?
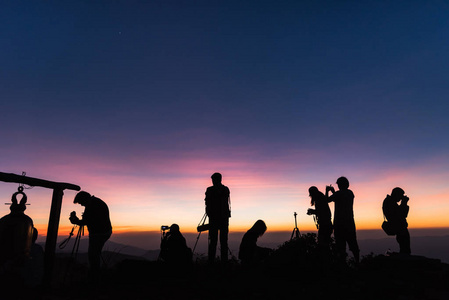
{"x":388,"y":227}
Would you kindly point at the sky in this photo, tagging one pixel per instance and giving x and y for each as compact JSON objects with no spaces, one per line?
{"x":140,"y":102}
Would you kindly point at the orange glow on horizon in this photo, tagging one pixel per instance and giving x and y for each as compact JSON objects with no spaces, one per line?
{"x":65,"y":230}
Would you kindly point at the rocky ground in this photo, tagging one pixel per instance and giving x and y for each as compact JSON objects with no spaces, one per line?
{"x":294,"y":271}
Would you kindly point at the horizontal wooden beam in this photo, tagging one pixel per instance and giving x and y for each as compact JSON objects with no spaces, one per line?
{"x":9,"y":177}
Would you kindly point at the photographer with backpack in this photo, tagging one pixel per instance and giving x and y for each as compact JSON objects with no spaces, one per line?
{"x":396,"y":215}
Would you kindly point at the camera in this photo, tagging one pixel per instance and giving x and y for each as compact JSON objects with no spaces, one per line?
{"x":330,"y":188}
{"x":204,"y":227}
{"x":73,"y":218}
{"x":311,"y":211}
{"x":405,"y":198}
{"x":163,"y":227}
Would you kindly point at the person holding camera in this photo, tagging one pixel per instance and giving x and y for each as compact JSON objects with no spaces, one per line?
{"x":218,"y":210}
{"x":174,"y":248}
{"x":96,"y":218}
{"x":396,"y":214}
{"x":323,"y":216}
{"x":344,"y":224}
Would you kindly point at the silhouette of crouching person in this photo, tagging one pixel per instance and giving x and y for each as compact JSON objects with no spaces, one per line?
{"x":174,"y":248}
{"x":249,"y":252}
{"x":96,"y":218}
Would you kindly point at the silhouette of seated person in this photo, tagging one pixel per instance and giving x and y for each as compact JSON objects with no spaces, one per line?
{"x":249,"y":252}
{"x":174,"y":248}
{"x":396,"y":214}
{"x":16,"y":232}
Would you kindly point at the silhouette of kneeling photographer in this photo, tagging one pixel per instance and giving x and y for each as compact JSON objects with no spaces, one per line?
{"x":174,"y":248}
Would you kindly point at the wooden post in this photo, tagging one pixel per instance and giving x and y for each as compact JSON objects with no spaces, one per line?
{"x":52,"y":234}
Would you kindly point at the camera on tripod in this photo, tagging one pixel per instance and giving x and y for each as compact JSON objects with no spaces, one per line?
{"x":203,"y":227}
{"x":73,"y":218}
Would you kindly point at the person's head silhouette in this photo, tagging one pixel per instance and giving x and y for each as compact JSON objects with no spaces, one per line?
{"x":313,"y":194}
{"x":216,"y":178}
{"x":82,"y":198}
{"x":174,"y":228}
{"x":397,"y":194}
{"x":343,"y":183}
{"x":259,"y":228}
{"x":313,"y":190}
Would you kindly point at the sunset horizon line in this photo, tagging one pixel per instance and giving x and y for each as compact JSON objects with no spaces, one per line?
{"x":135,"y":230}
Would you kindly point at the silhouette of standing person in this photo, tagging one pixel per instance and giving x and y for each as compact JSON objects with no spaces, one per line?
{"x":174,"y":248}
{"x":96,"y":218}
{"x":396,"y":214}
{"x":344,"y":224}
{"x":249,"y":252}
{"x":218,"y":210}
{"x":323,"y":216}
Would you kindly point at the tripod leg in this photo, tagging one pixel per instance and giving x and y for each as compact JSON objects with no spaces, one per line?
{"x":73,"y":255}
{"x":198,"y":237}
{"x":78,"y":241}
{"x":202,"y":221}
{"x":295,"y":233}
{"x":75,"y":244}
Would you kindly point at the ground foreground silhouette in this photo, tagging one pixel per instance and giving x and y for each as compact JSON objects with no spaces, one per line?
{"x":293,"y":271}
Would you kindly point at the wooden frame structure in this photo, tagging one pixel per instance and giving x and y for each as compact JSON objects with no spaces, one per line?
{"x":55,"y":213}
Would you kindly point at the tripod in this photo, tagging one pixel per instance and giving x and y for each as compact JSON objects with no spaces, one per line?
{"x":295,"y":233}
{"x":76,"y":245}
{"x":202,"y":226}
{"x":75,"y":248}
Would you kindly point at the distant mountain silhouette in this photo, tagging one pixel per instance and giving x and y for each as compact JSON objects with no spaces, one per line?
{"x":428,"y":246}
{"x":151,"y":254}
{"x":110,"y":258}
{"x":109,"y":246}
